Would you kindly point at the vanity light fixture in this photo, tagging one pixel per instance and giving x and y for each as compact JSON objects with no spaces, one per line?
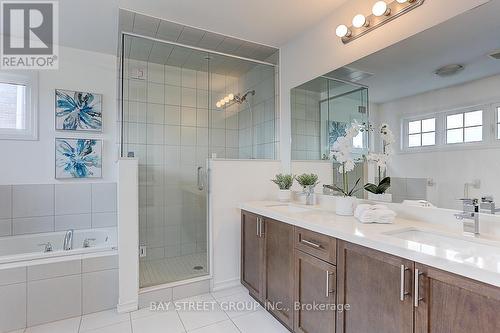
{"x":360,"y":21}
{"x":343,"y":31}
{"x":380,"y":8}
{"x":382,"y":13}
{"x":232,"y":98}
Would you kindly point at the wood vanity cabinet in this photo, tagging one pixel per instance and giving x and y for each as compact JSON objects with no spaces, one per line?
{"x":315,"y":284}
{"x":289,"y":267}
{"x":267,"y":264}
{"x":252,"y":254}
{"x":450,"y":303}
{"x":377,"y":287}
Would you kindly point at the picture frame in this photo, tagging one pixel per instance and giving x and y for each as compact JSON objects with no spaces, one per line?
{"x":78,"y":158}
{"x":78,"y":111}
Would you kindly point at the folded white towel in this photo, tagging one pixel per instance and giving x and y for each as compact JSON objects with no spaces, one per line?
{"x":380,"y":214}
{"x":360,"y":209}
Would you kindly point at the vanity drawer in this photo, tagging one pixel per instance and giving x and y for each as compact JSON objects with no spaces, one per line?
{"x":315,"y":244}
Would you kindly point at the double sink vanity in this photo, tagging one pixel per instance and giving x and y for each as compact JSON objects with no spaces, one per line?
{"x":319,"y":272}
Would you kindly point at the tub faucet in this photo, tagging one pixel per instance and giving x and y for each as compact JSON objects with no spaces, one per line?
{"x":470,"y":216}
{"x":488,"y":205}
{"x":68,"y":240}
{"x":47,"y":247}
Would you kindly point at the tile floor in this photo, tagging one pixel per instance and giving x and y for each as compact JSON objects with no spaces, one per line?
{"x":227,"y":311}
{"x":166,"y":270}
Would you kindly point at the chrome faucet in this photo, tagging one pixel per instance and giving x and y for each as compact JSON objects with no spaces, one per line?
{"x":470,"y":216}
{"x":86,"y":242}
{"x":488,"y":205}
{"x":47,"y":247}
{"x":68,"y":240}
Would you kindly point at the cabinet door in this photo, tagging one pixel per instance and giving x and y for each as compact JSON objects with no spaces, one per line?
{"x":251,"y":254}
{"x":450,"y":303}
{"x":377,"y":288}
{"x":315,"y":291}
{"x":278,"y":238}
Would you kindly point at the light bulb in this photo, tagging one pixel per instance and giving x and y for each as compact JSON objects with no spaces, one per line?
{"x":222,"y":102}
{"x":380,"y":9}
{"x":402,"y":1}
{"x":359,"y":21}
{"x":226,"y":99}
{"x":231,"y":97}
{"x":218,"y":104}
{"x":342,"y":31}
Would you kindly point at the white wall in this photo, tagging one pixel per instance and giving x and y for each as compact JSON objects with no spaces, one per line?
{"x":318,"y":51}
{"x":230,"y":185}
{"x":32,"y":162}
{"x":449,"y":169}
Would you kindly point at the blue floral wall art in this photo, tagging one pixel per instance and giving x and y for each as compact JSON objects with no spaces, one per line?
{"x":78,"y":111}
{"x":78,"y":158}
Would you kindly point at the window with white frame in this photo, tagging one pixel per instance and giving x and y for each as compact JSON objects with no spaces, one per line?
{"x":18,"y":106}
{"x":464,"y":127}
{"x":498,"y":122}
{"x":422,"y":132}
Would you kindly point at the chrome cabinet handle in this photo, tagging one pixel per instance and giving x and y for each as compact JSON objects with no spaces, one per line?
{"x":402,"y":290}
{"x":417,"y":288}
{"x":306,"y":242}
{"x":258,"y":226}
{"x":327,"y":290}
{"x":200,"y":184}
{"x":261,"y":227}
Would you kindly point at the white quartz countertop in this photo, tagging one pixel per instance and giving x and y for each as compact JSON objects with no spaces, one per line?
{"x":477,"y":258}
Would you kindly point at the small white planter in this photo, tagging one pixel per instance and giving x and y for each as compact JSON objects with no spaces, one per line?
{"x":284,"y":195}
{"x":345,"y":206}
{"x":386,"y":197}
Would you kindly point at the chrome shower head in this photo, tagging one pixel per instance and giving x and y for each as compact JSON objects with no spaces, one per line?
{"x":241,"y":98}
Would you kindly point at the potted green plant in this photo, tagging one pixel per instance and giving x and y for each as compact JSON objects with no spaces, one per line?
{"x":284,"y":182}
{"x":308,"y":183}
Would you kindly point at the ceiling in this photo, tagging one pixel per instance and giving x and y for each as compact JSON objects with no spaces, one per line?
{"x":93,"y":24}
{"x":173,"y":32}
{"x":407,"y":68}
{"x":167,"y":54}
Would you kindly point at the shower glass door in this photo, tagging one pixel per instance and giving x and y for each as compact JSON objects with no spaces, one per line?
{"x":166,"y":126}
{"x":173,"y":120}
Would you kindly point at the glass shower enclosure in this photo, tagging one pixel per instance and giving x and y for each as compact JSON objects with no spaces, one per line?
{"x":180,"y":106}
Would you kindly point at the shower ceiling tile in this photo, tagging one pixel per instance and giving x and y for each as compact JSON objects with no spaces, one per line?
{"x":160,"y":53}
{"x":211,"y":41}
{"x":229,"y":45}
{"x":169,"y":30}
{"x":126,"y":19}
{"x":146,"y":25}
{"x":140,"y":49}
{"x":191,"y":36}
{"x":178,"y":56}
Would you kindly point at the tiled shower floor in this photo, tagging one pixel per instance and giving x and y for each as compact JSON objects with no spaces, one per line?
{"x":168,"y":270}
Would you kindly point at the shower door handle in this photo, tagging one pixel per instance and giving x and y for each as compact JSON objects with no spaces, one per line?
{"x":199,"y":181}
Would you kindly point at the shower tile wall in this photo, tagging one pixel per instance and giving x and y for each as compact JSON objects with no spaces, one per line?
{"x":166,"y":126}
{"x":305,"y":125}
{"x":261,"y":79}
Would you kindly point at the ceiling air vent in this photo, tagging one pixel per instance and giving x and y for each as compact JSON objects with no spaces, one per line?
{"x":495,"y":55}
{"x":449,"y":70}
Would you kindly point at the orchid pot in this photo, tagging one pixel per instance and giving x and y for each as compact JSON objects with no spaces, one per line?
{"x":345,"y":206}
{"x":383,"y":197}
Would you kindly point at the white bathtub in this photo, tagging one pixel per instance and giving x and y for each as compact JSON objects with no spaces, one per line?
{"x":27,"y":247}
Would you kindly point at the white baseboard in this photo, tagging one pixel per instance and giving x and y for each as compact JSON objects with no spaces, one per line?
{"x":226,"y":284}
{"x":127,"y":307}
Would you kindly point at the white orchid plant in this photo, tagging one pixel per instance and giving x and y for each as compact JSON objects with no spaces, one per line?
{"x":381,"y":160}
{"x":342,"y":152}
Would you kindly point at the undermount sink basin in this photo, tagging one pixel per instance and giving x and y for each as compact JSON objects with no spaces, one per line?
{"x":289,"y":208}
{"x":449,"y":247}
